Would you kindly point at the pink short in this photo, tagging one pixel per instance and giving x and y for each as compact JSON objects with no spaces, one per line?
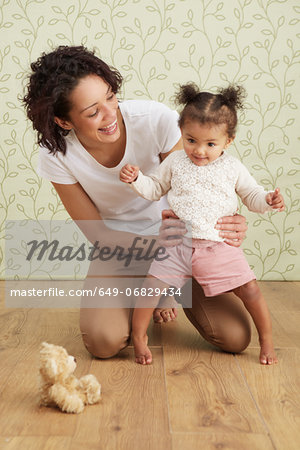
{"x":218,"y":267}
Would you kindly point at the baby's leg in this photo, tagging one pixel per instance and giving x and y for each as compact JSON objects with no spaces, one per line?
{"x":255,"y":303}
{"x":141,"y":317}
{"x":177,"y":264}
{"x":142,"y":352}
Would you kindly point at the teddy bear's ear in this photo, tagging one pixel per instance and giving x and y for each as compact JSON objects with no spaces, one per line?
{"x":44,"y":346}
{"x":53,"y":366}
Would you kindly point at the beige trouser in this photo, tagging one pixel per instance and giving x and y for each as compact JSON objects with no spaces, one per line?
{"x":222,"y":320}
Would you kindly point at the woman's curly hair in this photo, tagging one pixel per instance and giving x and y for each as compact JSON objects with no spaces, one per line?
{"x":204,"y":107}
{"x":53,"y":78}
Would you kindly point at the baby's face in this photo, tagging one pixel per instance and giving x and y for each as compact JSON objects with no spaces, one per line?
{"x":204,"y":143}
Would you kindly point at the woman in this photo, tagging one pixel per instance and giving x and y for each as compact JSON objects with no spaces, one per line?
{"x":86,"y":136}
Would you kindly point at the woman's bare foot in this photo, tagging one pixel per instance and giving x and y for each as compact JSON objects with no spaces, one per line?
{"x":142,"y":352}
{"x":267,"y":354}
{"x":164,"y":314}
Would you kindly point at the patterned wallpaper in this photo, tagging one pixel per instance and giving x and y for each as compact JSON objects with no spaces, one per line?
{"x":157,"y":44}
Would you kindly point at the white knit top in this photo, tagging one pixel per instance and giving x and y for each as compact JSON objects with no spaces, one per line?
{"x":200,"y":195}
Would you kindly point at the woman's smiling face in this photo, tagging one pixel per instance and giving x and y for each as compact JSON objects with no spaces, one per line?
{"x":94,"y":112}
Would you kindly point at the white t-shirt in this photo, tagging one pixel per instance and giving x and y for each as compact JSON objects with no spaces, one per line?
{"x":151,"y":129}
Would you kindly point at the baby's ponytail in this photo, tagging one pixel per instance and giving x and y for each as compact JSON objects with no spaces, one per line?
{"x":187,"y":94}
{"x":233,"y":96}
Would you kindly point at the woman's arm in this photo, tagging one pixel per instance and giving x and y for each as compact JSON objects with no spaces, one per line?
{"x":76,"y":201}
{"x":86,"y":216}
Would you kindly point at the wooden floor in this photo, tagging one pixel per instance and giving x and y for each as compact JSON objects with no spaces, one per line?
{"x":192,"y":397}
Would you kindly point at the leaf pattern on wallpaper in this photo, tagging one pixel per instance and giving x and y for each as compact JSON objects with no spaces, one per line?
{"x":157,"y":45}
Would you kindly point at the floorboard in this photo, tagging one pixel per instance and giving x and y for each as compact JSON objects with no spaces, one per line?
{"x":192,"y":396}
{"x":276,"y":392}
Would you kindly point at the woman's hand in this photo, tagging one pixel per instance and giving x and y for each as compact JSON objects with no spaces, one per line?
{"x":233,"y":229}
{"x":171,"y":230}
{"x":129,"y":173}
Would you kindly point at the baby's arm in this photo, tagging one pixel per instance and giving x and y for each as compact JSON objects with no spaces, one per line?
{"x":153,"y":186}
{"x":254,"y":196}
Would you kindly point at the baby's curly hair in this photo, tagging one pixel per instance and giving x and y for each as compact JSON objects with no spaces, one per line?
{"x":204,"y":107}
{"x":53,"y":78}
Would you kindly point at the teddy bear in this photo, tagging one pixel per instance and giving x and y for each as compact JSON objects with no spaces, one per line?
{"x":59,"y":387}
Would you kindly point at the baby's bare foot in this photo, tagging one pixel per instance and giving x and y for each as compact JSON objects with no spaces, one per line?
{"x":267,"y":354}
{"x":164,"y":314}
{"x":142,"y":352}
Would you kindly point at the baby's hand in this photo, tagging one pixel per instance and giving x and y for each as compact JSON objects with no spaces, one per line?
{"x":275,"y":200}
{"x":129,"y":173}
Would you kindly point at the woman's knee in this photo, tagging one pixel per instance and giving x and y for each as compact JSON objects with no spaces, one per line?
{"x":103,"y":346}
{"x":232,"y":333}
{"x":236,"y":339}
{"x":232,"y":338}
{"x":105,"y":331}
{"x":222,"y":320}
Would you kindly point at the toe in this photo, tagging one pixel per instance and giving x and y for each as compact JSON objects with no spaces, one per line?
{"x":157,"y":318}
{"x":272,"y":359}
{"x":140,"y":360}
{"x":172,"y":315}
{"x":166,"y":316}
{"x":148,"y":360}
{"x":263,"y":359}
